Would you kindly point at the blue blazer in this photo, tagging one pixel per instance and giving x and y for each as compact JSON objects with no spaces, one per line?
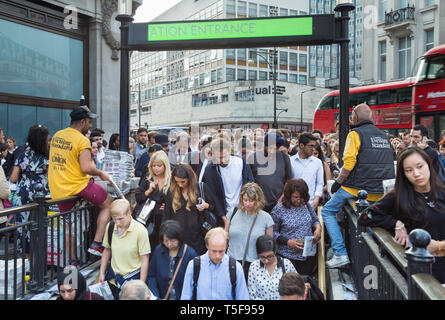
{"x":158,"y":270}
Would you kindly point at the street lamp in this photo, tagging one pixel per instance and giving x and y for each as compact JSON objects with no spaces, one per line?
{"x":274,"y":71}
{"x":301,"y":108}
{"x":124,"y":17}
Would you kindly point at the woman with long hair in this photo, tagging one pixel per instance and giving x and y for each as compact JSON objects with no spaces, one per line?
{"x":318,"y":153}
{"x":30,"y":169}
{"x":417,"y":201}
{"x":154,"y":186}
{"x":183,"y":206}
{"x":294,"y":220}
{"x":114,"y":142}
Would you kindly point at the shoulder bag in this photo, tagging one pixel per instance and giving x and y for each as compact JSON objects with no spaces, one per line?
{"x":176,"y":273}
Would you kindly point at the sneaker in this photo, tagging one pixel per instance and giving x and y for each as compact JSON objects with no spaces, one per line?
{"x":96,"y":249}
{"x":337,"y":261}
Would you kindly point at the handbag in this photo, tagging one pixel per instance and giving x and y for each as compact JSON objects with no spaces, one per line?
{"x":146,"y":212}
{"x":248,"y":239}
{"x":207,"y":218}
{"x":176,"y":273}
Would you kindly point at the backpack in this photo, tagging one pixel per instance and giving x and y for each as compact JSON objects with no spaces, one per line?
{"x":196,"y":270}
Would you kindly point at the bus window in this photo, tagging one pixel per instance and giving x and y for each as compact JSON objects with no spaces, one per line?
{"x":326,"y":103}
{"x":432,"y":69}
{"x":372,"y":101}
{"x":386,"y":97}
{"x":353,"y":100}
{"x":336,"y":102}
{"x":362,"y":97}
{"x":404,"y":95}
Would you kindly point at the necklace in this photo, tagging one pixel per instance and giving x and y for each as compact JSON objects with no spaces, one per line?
{"x":426,"y":195}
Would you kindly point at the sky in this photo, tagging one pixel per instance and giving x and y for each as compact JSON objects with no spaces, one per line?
{"x":150,"y":9}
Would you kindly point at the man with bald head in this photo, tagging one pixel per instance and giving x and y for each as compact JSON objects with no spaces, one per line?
{"x":368,"y":159}
{"x":214,"y":272}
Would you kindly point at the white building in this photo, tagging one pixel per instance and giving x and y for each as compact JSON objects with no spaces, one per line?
{"x":214,"y":87}
{"x":404,"y":30}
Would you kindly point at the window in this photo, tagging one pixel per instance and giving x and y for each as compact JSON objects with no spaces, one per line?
{"x":293,"y":61}
{"x":253,"y":9}
{"x":230,"y":56}
{"x":382,"y":65}
{"x":231,"y":7}
{"x":241,"y":56}
{"x":224,"y":97}
{"x":283,"y":77}
{"x":242,"y":9}
{"x":386,"y":96}
{"x":283,"y":12}
{"x":293,"y":12}
{"x":429,"y":39}
{"x":213,"y":76}
{"x":248,"y":95}
{"x":230,"y":74}
{"x":404,"y":57}
{"x":241,"y":74}
{"x":429,"y":3}
{"x":263,"y":10}
{"x":302,"y":79}
{"x":262,"y":75}
{"x":326,"y":103}
{"x":252,"y":74}
{"x":293,"y":78}
{"x":404,"y":94}
{"x":219,"y":75}
{"x":283,"y":60}
{"x":54,"y":71}
{"x":253,"y":57}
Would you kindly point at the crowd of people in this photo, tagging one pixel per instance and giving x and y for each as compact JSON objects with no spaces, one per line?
{"x":263,"y":189}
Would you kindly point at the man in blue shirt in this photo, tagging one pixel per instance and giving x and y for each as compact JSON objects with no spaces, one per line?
{"x":214,"y":276}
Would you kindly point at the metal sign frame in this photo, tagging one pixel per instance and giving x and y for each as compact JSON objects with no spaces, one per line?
{"x":326,"y":29}
{"x":322,"y":33}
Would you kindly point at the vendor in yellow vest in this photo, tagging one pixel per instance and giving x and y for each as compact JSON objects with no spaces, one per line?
{"x":368,"y":160}
{"x":71,"y":168}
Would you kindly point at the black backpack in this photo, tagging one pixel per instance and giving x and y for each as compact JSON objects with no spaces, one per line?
{"x":110,"y":232}
{"x":197,"y":268}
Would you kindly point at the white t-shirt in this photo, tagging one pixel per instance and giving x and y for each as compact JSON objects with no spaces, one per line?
{"x":232,"y":177}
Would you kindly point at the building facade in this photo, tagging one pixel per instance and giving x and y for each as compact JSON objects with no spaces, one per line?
{"x":199,"y":84}
{"x":51,"y":53}
{"x":398,"y":32}
{"x":324,"y":61}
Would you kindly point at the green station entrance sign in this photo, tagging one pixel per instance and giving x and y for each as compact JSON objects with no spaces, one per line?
{"x":231,"y":33}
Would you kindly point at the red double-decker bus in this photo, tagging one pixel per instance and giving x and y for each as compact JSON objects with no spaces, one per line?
{"x":395,"y":104}
{"x":390,"y":103}
{"x":429,"y":92}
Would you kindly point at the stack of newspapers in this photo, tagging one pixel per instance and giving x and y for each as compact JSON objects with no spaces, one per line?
{"x":119,"y":166}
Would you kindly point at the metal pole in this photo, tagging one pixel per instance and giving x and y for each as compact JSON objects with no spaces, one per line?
{"x":344,"y":9}
{"x":124,"y":128}
{"x":139,"y":104}
{"x":301,"y":107}
{"x":275,"y":124}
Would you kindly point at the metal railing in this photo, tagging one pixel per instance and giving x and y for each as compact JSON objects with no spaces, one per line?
{"x":45,"y":243}
{"x":399,"y":15}
{"x":383,"y":269}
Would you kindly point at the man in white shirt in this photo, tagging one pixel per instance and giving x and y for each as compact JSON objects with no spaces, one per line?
{"x":225,"y":176}
{"x":309,"y":168}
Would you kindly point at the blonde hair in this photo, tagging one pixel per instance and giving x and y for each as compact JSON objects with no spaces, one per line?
{"x":254,"y":192}
{"x":160,"y":156}
{"x":119,"y":207}
{"x":184,"y":171}
{"x":214,"y":231}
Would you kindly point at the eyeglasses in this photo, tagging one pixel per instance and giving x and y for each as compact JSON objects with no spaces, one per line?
{"x":270,"y":257}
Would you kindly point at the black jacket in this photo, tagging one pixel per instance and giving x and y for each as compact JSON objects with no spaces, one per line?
{"x":212,"y":178}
